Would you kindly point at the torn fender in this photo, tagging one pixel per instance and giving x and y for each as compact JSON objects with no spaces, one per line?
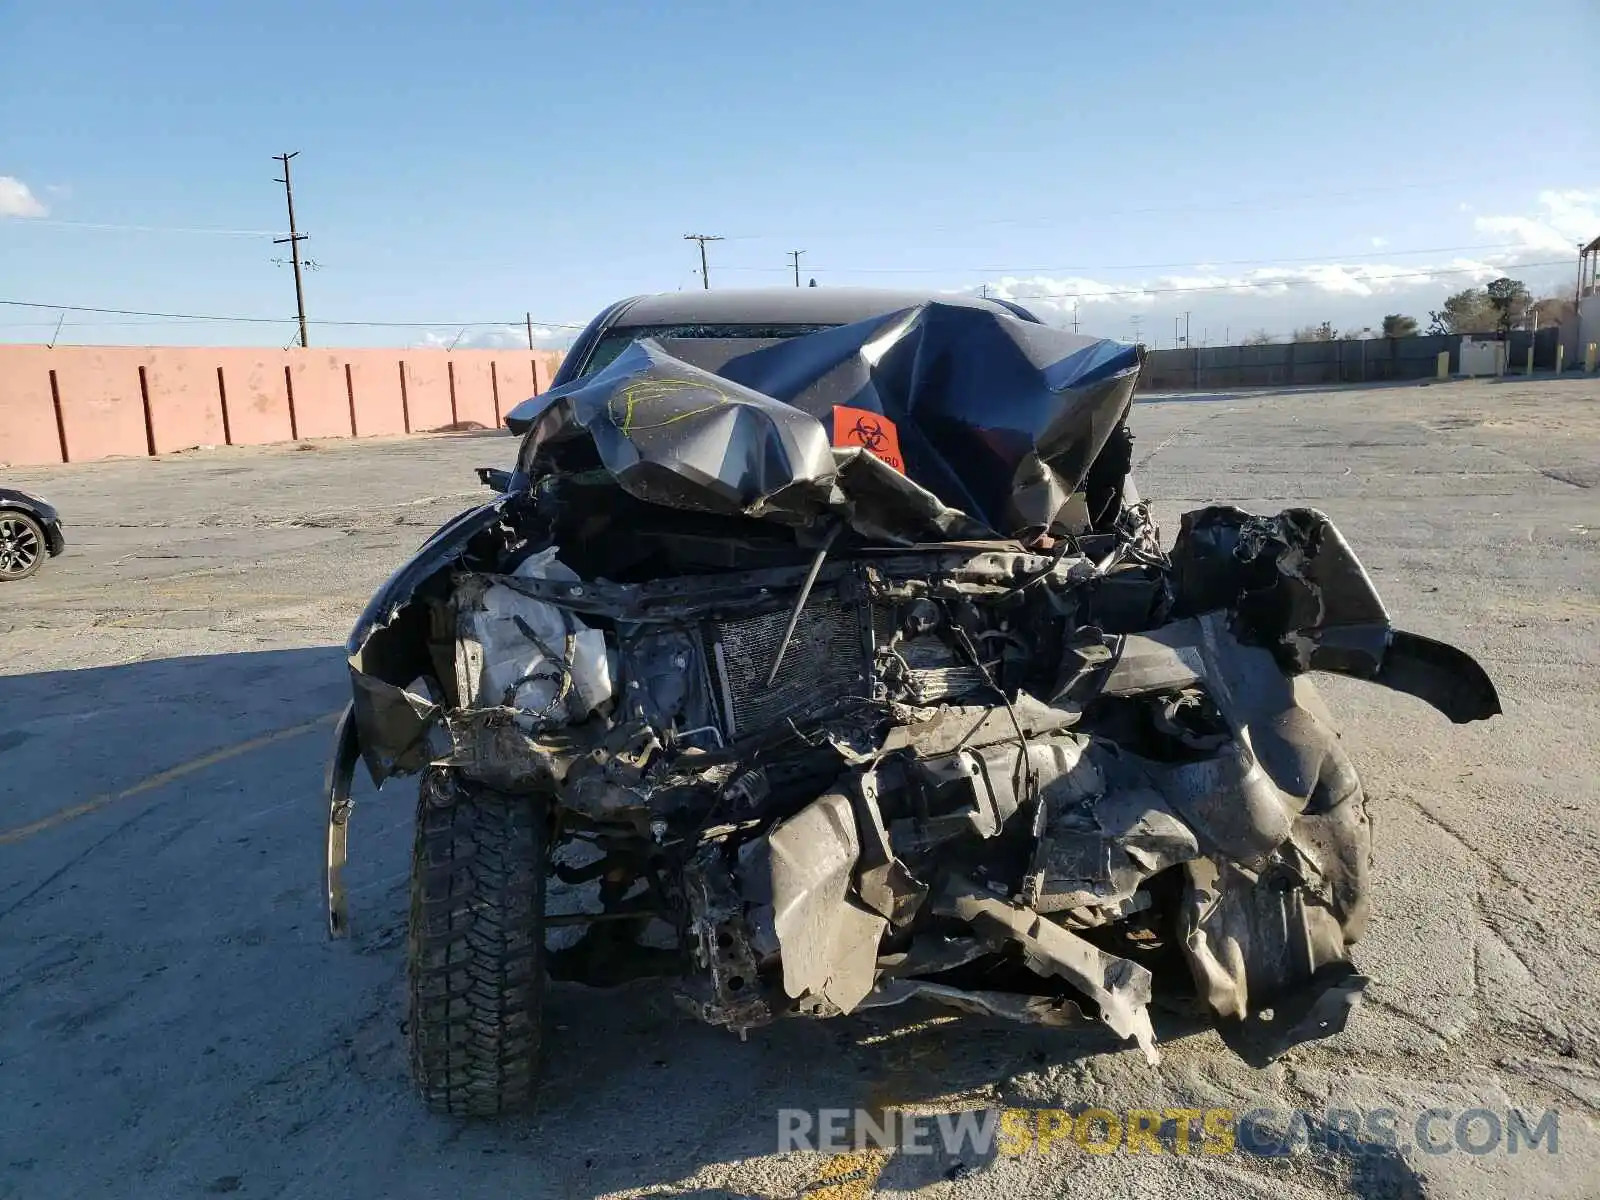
{"x":336,"y":789}
{"x":443,"y":547}
{"x":388,"y":652}
{"x":1294,"y":585}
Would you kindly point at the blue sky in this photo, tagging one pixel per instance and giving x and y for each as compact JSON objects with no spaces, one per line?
{"x":471,"y":162}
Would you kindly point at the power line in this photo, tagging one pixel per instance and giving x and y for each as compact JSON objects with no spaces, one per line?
{"x":1194,"y":263}
{"x":112,"y":324}
{"x":455,"y":324}
{"x":171,"y":316}
{"x":113,"y":227}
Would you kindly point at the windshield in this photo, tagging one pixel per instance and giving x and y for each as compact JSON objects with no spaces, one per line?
{"x":618,"y":340}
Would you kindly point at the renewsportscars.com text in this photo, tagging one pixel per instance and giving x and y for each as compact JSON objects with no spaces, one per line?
{"x":1264,"y":1132}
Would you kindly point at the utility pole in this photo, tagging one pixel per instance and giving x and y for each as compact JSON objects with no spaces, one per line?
{"x":703,"y":238}
{"x":1187,"y":340}
{"x":795,"y":255}
{"x":529,"y":317}
{"x":1074,"y":316}
{"x":294,"y":239}
{"x":1136,"y":318}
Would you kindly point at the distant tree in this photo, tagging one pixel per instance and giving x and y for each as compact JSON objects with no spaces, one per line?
{"x":1259,"y":338}
{"x":1359,"y":335}
{"x":1397,"y":325}
{"x":1555,"y":310}
{"x":1510,"y":300}
{"x":1315,"y":333}
{"x":1468,"y":311}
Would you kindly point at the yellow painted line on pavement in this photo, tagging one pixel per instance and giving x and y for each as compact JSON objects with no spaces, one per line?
{"x":162,"y":778}
{"x":848,"y":1176}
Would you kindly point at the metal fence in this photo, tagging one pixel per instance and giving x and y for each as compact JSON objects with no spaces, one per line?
{"x":1545,"y":342}
{"x":1287,"y":364}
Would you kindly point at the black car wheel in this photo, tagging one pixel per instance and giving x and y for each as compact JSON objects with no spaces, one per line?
{"x":476,"y":945}
{"x":21,"y":545}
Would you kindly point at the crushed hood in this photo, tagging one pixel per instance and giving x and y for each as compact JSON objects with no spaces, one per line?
{"x":975,"y":412}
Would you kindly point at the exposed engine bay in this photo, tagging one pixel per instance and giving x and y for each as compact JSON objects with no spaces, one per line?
{"x":822,"y":721}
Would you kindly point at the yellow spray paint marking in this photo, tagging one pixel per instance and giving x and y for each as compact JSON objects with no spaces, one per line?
{"x":649,"y":391}
{"x":848,"y":1176}
{"x":161,"y":779}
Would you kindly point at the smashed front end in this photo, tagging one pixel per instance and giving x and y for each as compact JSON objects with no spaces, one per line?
{"x":854,"y":671}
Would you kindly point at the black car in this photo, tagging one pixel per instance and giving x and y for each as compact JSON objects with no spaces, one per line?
{"x":30,"y":529}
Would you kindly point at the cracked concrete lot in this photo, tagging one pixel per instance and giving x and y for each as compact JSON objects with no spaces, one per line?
{"x":173,"y":1021}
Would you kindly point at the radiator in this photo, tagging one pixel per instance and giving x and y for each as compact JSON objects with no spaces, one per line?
{"x":829,"y":657}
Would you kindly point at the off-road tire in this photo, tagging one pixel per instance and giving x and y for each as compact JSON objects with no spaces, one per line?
{"x":475,"y":946}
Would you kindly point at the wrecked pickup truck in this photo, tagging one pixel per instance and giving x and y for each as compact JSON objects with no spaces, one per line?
{"x":827,"y":672}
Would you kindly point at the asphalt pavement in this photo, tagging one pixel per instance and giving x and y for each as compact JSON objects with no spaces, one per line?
{"x":174,"y":1021}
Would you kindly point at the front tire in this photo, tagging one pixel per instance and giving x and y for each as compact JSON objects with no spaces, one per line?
{"x":22,"y":545}
{"x":475,"y":946}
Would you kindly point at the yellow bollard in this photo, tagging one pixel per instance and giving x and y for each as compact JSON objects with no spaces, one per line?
{"x":1561,"y":354}
{"x":1589,"y":357}
{"x":1444,"y":364}
{"x":1529,"y":371}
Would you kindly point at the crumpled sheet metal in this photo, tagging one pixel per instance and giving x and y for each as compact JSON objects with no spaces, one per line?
{"x":829,"y":940}
{"x":392,"y":724}
{"x":1053,"y":1011}
{"x":1119,"y":987}
{"x":674,"y":434}
{"x":1099,"y":853}
{"x":1296,"y":587}
{"x":999,"y":418}
{"x":1254,"y":946}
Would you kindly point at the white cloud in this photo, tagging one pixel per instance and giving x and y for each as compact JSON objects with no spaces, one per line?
{"x":1284,"y":295}
{"x":1331,"y":279}
{"x":498,"y":337}
{"x":1566,"y":217}
{"x":18,"y":200}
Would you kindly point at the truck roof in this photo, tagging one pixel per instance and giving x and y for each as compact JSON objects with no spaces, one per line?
{"x":761,"y":306}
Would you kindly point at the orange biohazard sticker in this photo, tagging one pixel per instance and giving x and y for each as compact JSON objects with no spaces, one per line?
{"x":871,"y":431}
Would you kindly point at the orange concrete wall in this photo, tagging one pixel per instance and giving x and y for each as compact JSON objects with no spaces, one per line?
{"x":102,"y":403}
{"x":321,"y":399}
{"x":427,"y":393}
{"x":544,"y":366}
{"x":185,"y":399}
{"x":513,"y":381}
{"x":474,"y":392}
{"x":28,"y":429}
{"x":258,"y":397}
{"x":83,"y":403}
{"x":375,"y":383}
